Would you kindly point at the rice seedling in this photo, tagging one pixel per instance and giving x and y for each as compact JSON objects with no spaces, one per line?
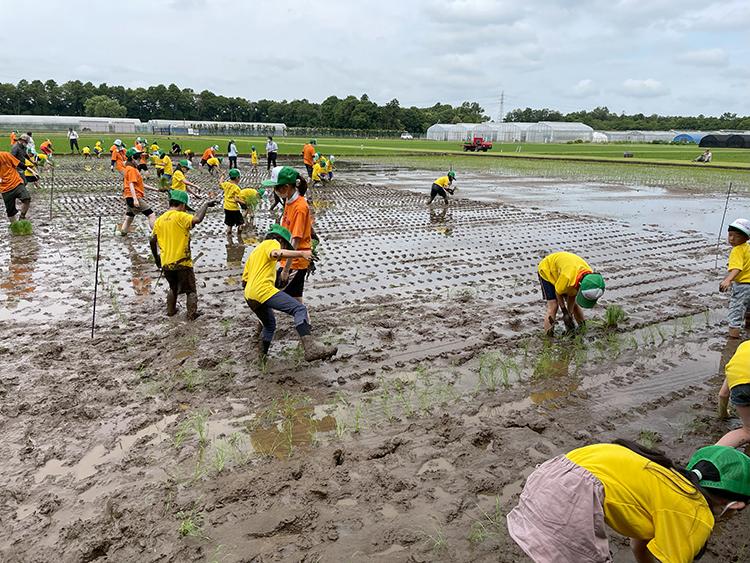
{"x":707,"y":317}
{"x":191,"y":524}
{"x":495,"y":369}
{"x":191,"y":378}
{"x":22,"y":227}
{"x":649,"y":438}
{"x":461,"y":294}
{"x":358,"y":418}
{"x":613,"y":316}
{"x":220,"y":454}
{"x":490,"y":525}
{"x":197,"y":424}
{"x":437,"y":541}
{"x":226,"y":325}
{"x":341,"y":427}
{"x":687,"y":324}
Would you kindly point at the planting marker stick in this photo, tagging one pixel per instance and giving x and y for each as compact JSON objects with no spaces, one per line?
{"x":51,"y":190}
{"x":721,"y":228}
{"x":96,"y":279}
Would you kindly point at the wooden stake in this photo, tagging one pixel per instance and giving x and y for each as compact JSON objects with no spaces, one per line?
{"x":96,"y":275}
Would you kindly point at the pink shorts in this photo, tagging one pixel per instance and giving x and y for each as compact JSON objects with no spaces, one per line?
{"x":560,"y":515}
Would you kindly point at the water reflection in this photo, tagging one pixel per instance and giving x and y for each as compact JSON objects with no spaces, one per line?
{"x":18,"y":281}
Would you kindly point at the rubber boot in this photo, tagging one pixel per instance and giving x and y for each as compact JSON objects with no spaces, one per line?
{"x":192,"y":306}
{"x":171,"y":303}
{"x":747,"y":319}
{"x":263,"y":347}
{"x":315,"y":351}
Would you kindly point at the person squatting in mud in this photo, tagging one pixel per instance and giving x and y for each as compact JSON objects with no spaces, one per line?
{"x":263,"y":297}
{"x":738,"y":278}
{"x":569,"y":284}
{"x":13,"y":187}
{"x":736,"y":390}
{"x":441,"y":186}
{"x":291,"y":188}
{"x":134,"y":193}
{"x":170,"y":246}
{"x":667,"y":511}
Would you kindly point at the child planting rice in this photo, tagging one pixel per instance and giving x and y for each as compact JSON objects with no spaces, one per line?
{"x":249,"y":201}
{"x":667,"y":511}
{"x":232,"y":199}
{"x":736,"y":389}
{"x":263,"y":297}
{"x":134,"y":193}
{"x":738,"y":278}
{"x":13,"y":188}
{"x":179,"y":182}
{"x":568,"y":283}
{"x":441,"y":186}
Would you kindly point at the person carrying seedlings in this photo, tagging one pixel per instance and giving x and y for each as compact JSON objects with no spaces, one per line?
{"x":667,"y":511}
{"x":254,"y":157}
{"x":263,"y":297}
{"x":12,"y":186}
{"x":441,"y":186}
{"x":208,"y":153}
{"x":568,"y":283}
{"x":232,"y":154}
{"x":736,"y":389}
{"x":164,"y":168}
{"x":117,"y":161}
{"x":134,"y":193}
{"x":298,"y":220}
{"x":179,"y":182}
{"x":249,"y":200}
{"x":738,"y":278}
{"x":232,"y":199}
{"x":272,"y":151}
{"x":308,"y":156}
{"x":170,"y":246}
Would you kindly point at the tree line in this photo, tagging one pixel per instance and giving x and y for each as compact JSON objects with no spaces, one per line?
{"x":171,"y":102}
{"x":602,"y":119}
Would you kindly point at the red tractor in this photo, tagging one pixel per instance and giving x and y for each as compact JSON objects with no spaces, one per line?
{"x":477,"y":144}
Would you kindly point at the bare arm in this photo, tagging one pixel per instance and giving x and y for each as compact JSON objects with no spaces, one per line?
{"x":641,"y":552}
{"x":155,"y":250}
{"x":278,"y":254}
{"x":201,"y":214}
{"x":727,"y":281}
{"x":133,"y":194}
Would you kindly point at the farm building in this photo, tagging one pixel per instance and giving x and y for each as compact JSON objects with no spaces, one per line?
{"x":639,"y":136}
{"x":599,"y":137}
{"x":558,"y":132}
{"x":63,"y":122}
{"x":714,"y":140}
{"x":450,"y":131}
{"x":739,"y":141}
{"x":506,"y":132}
{"x":689,"y":137}
{"x":180,"y":127}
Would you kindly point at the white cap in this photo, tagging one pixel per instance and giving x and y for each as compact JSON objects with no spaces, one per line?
{"x":742,"y":225}
{"x":215,"y":147}
{"x":118,"y":143}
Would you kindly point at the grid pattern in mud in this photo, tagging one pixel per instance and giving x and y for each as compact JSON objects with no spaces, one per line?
{"x":377,"y":242}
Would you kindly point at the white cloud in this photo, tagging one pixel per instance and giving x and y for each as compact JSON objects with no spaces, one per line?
{"x":648,"y":88}
{"x":583,"y":89}
{"x":705,"y":57}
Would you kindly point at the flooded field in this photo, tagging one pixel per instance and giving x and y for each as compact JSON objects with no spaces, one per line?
{"x":162,"y":440}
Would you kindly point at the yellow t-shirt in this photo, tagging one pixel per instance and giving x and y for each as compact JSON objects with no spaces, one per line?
{"x":86,"y":150}
{"x":737,"y":369}
{"x":646,"y":501}
{"x":254,"y":157}
{"x":29,"y":168}
{"x":739,"y":259}
{"x":213,"y":161}
{"x":250,"y":193}
{"x":158,"y":162}
{"x":260,"y":272}
{"x":443,"y":182}
{"x":563,"y":270}
{"x":166,"y":162}
{"x":178,"y":180}
{"x":98,"y":146}
{"x":231,"y":192}
{"x":172,"y":230}
{"x":317,"y":171}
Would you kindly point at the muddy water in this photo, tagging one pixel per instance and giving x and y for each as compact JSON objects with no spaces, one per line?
{"x":158,"y":427}
{"x":638,"y":205}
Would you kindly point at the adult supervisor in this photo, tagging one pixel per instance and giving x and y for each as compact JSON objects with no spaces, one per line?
{"x":73,"y":139}
{"x":272,"y":151}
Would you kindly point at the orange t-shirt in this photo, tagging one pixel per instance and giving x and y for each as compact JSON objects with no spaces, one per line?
{"x":308,"y":153}
{"x":132,"y":175}
{"x":44,"y":145}
{"x":8,"y":174}
{"x":208,"y":153}
{"x":12,"y":139}
{"x":139,"y":147}
{"x":119,"y":159}
{"x":298,"y":220}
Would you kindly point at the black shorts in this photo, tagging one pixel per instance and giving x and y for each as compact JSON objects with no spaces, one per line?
{"x":243,"y":206}
{"x":180,"y":280}
{"x":438,"y":191}
{"x":31,"y":179}
{"x":133,"y":211}
{"x":142,"y":167}
{"x":548,"y":290}
{"x":19,"y":192}
{"x":203,"y":161}
{"x":233,"y":218}
{"x":295,"y":286}
{"x":309,"y":170}
{"x":740,"y":395}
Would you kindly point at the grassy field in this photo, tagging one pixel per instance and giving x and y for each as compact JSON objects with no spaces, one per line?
{"x":656,"y":154}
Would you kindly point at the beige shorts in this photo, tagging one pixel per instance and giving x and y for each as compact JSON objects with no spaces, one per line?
{"x":560,"y":515}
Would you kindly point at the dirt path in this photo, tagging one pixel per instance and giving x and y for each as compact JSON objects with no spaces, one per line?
{"x":160,"y":440}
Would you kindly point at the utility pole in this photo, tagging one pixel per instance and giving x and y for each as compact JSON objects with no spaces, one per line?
{"x":501,"y":116}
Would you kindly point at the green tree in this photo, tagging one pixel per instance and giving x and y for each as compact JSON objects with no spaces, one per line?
{"x":104,"y":106}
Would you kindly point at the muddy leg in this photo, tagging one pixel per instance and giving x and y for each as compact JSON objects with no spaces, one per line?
{"x":171,"y":303}
{"x":724,"y":401}
{"x":549,"y":318}
{"x":125,"y":227}
{"x":24,"y":208}
{"x":741,"y":436}
{"x":192,"y":306}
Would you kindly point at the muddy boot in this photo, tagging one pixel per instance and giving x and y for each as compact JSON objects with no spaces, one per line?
{"x":747,"y":319}
{"x":192,"y":306}
{"x":734,"y":333}
{"x":315,"y":351}
{"x":171,"y":303}
{"x":263,"y":347}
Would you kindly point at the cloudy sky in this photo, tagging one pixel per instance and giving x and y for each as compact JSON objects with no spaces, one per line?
{"x":652,"y":56}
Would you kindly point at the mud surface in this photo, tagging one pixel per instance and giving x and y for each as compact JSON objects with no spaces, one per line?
{"x":163,"y":440}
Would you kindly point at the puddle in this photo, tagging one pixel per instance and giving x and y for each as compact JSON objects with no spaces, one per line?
{"x":98,"y":455}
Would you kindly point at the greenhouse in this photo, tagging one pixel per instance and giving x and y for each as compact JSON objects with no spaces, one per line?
{"x":558,"y":132}
{"x":640,"y":136}
{"x":63,"y":122}
{"x":239,"y":128}
{"x":599,"y":137}
{"x":451,"y":131}
{"x":739,"y":141}
{"x":692,"y":137}
{"x":714,"y":140}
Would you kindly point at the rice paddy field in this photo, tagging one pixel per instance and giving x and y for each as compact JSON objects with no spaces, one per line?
{"x":157,"y":439}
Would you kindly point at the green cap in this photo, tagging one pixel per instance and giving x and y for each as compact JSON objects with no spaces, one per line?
{"x":283,"y":232}
{"x":185,"y":164}
{"x":261,"y":192}
{"x":592,"y":288}
{"x":234,"y":173}
{"x":161,"y":153}
{"x":313,"y":141}
{"x":130,"y":153}
{"x":287,"y":175}
{"x":733,"y":467}
{"x":179,"y":195}
{"x":451,"y":174}
{"x":252,"y":148}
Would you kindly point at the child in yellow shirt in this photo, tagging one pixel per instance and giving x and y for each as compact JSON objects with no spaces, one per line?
{"x":86,"y":151}
{"x":254,"y":157}
{"x":232,"y":199}
{"x":738,"y":278}
{"x":736,"y":388}
{"x":98,"y":149}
